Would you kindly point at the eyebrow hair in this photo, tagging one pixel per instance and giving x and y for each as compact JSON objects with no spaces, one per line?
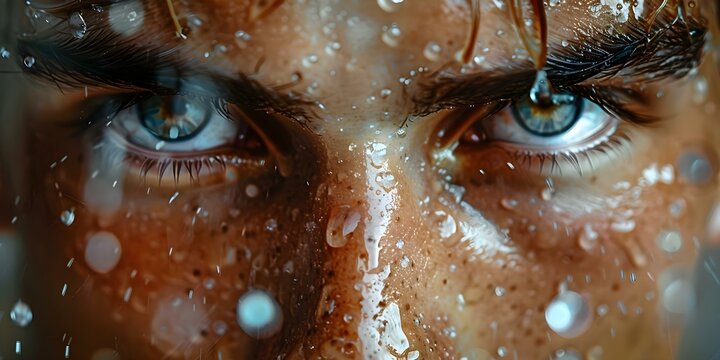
{"x":105,"y":58}
{"x":670,"y":49}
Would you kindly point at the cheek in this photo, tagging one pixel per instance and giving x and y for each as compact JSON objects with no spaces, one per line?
{"x":174,"y":263}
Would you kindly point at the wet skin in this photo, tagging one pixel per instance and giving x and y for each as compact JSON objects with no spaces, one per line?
{"x":449,"y":251}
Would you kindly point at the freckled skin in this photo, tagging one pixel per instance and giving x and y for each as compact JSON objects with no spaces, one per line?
{"x":174,"y":247}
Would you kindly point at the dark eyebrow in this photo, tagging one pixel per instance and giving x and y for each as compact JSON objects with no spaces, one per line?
{"x":104,"y":58}
{"x":670,"y":49}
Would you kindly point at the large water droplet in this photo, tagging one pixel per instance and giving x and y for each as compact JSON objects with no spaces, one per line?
{"x":102,"y":252}
{"x":21,"y":314}
{"x":568,"y":314}
{"x":258,"y":314}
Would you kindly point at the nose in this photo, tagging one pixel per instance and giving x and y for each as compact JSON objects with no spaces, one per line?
{"x":376,"y":236}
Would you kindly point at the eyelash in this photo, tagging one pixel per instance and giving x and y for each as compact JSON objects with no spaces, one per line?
{"x":107,"y":110}
{"x":615,"y":102}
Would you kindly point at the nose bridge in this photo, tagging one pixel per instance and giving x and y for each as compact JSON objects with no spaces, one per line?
{"x":371,"y":203}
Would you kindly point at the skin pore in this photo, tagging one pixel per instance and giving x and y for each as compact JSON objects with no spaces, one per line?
{"x":361,"y":200}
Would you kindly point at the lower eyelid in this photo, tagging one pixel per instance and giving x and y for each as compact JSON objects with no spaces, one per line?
{"x":156,"y":169}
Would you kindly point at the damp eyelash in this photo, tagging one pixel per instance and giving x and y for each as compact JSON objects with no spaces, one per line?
{"x":614,"y":146}
{"x":119,"y":152}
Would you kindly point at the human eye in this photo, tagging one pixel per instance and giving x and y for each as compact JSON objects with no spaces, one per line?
{"x":572,"y":133}
{"x":176,"y":140}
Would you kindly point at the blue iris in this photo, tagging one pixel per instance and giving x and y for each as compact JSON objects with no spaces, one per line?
{"x":550,"y":120}
{"x":173,"y":118}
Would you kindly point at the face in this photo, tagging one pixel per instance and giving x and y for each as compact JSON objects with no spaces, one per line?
{"x":390,"y":180}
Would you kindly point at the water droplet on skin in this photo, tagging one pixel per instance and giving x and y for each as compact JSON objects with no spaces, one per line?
{"x":677,"y":208}
{"x":568,"y":314}
{"x":695,"y":167}
{"x":404,"y":262}
{"x":332,"y":48}
{"x":77,"y":25}
{"x":384,"y":93}
{"x":4,"y":53}
{"x":447,"y":227}
{"x":508,"y":204}
{"x":391,"y":35}
{"x":386,"y":180}
{"x":623,"y":226}
{"x":700,"y":90}
{"x":569,"y":354}
{"x":102,"y":252}
{"x":271,"y":225}
{"x":310,"y":60}
{"x":21,"y":314}
{"x":499,"y":291}
{"x":377,"y":153}
{"x":669,"y":241}
{"x":390,"y":5}
{"x":502,"y":351}
{"x":400,"y":244}
{"x":258,"y":314}
{"x":342,"y":223}
{"x":587,"y":240}
{"x":29,"y":61}
{"x":67,"y":217}
{"x":219,"y":327}
{"x":252,"y":191}
{"x":676,"y":290}
{"x":432,"y":51}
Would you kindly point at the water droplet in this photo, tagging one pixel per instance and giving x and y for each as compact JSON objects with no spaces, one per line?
{"x":508,"y":204}
{"x":499,"y":291}
{"x":77,"y":25}
{"x":102,"y":252}
{"x":502,"y":351}
{"x":541,"y":91}
{"x":384,"y":93}
{"x":700,"y":90}
{"x":332,"y":47}
{"x":219,"y":327}
{"x":695,"y":167}
{"x":377,"y":153}
{"x":132,"y":16}
{"x":404,"y":262}
{"x":569,"y":354}
{"x":676,"y":289}
{"x":21,"y":314}
{"x":252,"y":191}
{"x":399,"y":244}
{"x":4,"y":53}
{"x":310,"y":60}
{"x":564,"y":43}
{"x":258,"y":314}
{"x":401,"y":132}
{"x":271,"y":225}
{"x":432,"y":51}
{"x":587,"y":240}
{"x":447,"y":227}
{"x":669,"y":241}
{"x":390,"y":5}
{"x":386,"y":180}
{"x":568,"y":314}
{"x":391,"y":35}
{"x":29,"y":61}
{"x":343,"y":221}
{"x":623,"y":226}
{"x":67,"y":217}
